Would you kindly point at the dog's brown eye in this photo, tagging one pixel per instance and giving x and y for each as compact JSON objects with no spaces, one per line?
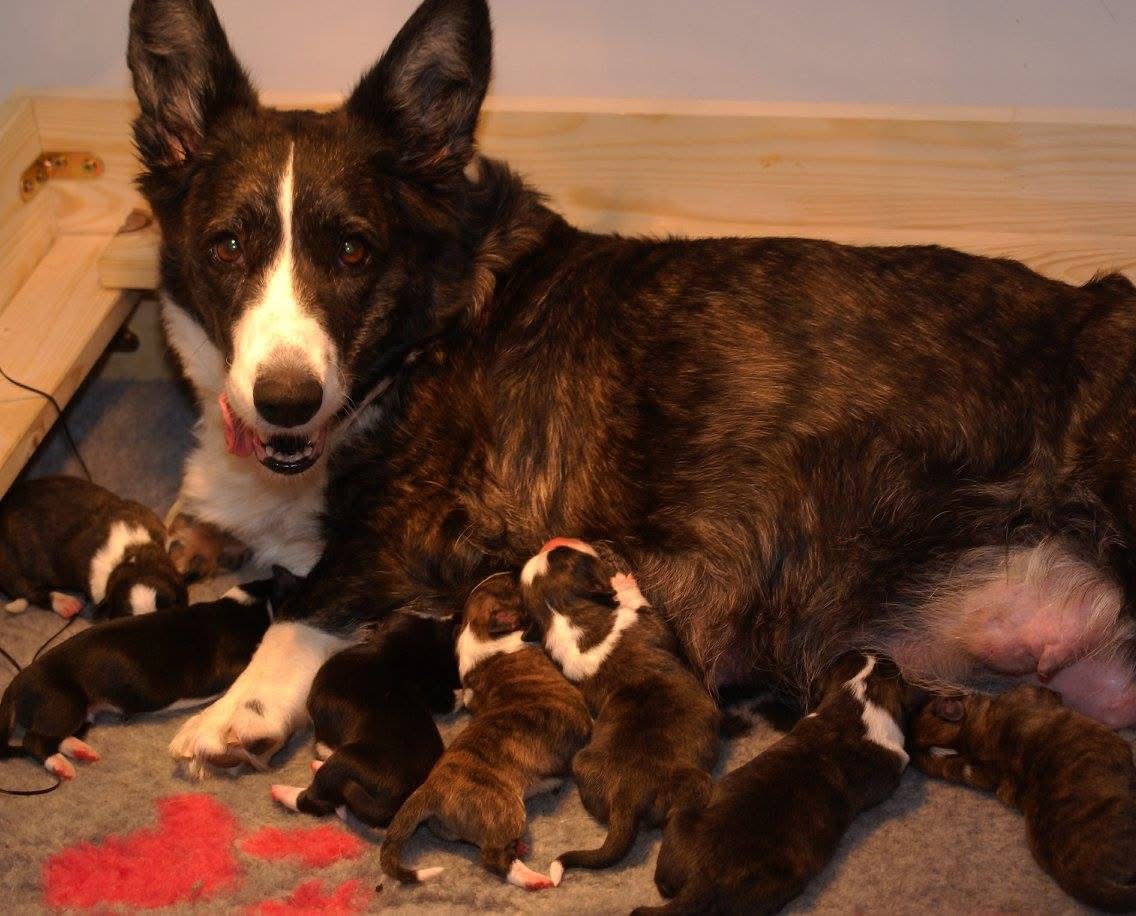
{"x":227,"y":248}
{"x":352,"y":251}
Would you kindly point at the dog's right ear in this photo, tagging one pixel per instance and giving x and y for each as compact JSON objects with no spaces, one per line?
{"x":185,"y":76}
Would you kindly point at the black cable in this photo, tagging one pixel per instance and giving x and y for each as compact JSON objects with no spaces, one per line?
{"x":63,"y":423}
{"x":26,"y":792}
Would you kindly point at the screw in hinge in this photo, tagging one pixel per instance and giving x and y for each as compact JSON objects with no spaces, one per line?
{"x":29,"y":185}
{"x":59,"y":161}
{"x":90,"y":164}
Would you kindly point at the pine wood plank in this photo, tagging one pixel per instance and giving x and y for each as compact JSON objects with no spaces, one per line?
{"x":51,"y":334}
{"x":26,"y":228}
{"x":906,"y":173}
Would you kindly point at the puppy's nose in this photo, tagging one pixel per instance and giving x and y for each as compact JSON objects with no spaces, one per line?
{"x":287,"y":397}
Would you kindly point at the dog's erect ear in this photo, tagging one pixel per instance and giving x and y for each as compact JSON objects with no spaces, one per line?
{"x":428,"y":87}
{"x":185,"y":76}
{"x":949,"y":709}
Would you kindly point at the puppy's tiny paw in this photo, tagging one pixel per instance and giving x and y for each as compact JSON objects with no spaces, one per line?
{"x":78,"y":750}
{"x":66,"y":606}
{"x":60,"y":766}
{"x":286,"y":796}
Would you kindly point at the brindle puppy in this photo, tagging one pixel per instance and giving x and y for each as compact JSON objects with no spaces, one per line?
{"x":1072,"y":778}
{"x":773,"y":824}
{"x":527,"y":723}
{"x":656,"y":733}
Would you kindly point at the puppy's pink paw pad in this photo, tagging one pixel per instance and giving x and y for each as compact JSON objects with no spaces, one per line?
{"x":60,"y":766}
{"x":65,"y":606}
{"x":79,"y":750}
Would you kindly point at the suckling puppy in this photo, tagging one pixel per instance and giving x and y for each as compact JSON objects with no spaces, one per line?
{"x":372,"y":706}
{"x":773,"y":824}
{"x":528,"y":721}
{"x":63,"y":534}
{"x":132,"y":665}
{"x":656,"y":733}
{"x":1072,"y":777}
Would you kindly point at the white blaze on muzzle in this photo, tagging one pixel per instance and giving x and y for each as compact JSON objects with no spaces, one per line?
{"x":277,"y":333}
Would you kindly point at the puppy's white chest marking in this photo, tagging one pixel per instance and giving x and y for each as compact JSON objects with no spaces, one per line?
{"x":473,"y":651}
{"x":881,"y":728}
{"x":562,"y":640}
{"x":122,"y":536}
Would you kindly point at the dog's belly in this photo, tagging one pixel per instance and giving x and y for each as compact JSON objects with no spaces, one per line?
{"x":1040,"y":613}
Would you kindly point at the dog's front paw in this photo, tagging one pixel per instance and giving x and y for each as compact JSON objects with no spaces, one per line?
{"x":254,"y":719}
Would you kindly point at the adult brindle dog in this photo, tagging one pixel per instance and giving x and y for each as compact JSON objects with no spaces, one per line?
{"x":801,"y":447}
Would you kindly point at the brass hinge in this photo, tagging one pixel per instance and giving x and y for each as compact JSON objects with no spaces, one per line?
{"x":65,"y":164}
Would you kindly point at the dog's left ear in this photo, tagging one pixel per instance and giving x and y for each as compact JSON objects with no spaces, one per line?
{"x":428,"y":87}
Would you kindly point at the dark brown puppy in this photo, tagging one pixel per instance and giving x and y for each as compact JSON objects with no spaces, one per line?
{"x":372,"y":709}
{"x":773,"y":824}
{"x":63,"y":534}
{"x":527,"y":723}
{"x":1072,"y":778}
{"x":656,"y":733}
{"x":133,"y":665}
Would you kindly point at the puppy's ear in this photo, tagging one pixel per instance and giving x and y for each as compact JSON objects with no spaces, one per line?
{"x":949,"y":709}
{"x":185,"y":77}
{"x":428,"y":87}
{"x":504,"y":620}
{"x":284,"y":583}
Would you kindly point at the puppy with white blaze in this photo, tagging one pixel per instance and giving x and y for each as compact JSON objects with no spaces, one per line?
{"x":413,"y":373}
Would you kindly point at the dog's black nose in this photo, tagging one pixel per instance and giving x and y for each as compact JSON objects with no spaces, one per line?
{"x":287,"y":397}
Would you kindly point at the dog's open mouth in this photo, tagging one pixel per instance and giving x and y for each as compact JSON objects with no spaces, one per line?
{"x":281,"y":453}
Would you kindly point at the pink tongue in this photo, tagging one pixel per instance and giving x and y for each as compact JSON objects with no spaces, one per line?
{"x":238,"y":437}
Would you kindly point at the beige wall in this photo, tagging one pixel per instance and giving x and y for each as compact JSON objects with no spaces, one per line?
{"x":976,"y":52}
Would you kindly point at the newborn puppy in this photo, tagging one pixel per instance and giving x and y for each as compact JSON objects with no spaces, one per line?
{"x":1072,"y":778}
{"x":656,"y":733}
{"x":63,"y":534}
{"x":527,"y":723}
{"x":129,"y":666}
{"x":372,"y":708}
{"x":773,"y":824}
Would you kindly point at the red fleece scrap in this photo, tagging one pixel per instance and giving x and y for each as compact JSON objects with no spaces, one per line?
{"x":309,"y":897}
{"x":313,"y":846}
{"x":188,"y":856}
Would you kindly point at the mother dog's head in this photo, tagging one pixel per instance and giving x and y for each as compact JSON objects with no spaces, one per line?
{"x":304,"y":253}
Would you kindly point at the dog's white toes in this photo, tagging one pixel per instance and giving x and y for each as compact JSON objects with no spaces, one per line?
{"x":17,"y":606}
{"x":316,"y":764}
{"x":341,"y":813}
{"x":78,"y":750}
{"x":556,"y":872}
{"x":60,"y":766}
